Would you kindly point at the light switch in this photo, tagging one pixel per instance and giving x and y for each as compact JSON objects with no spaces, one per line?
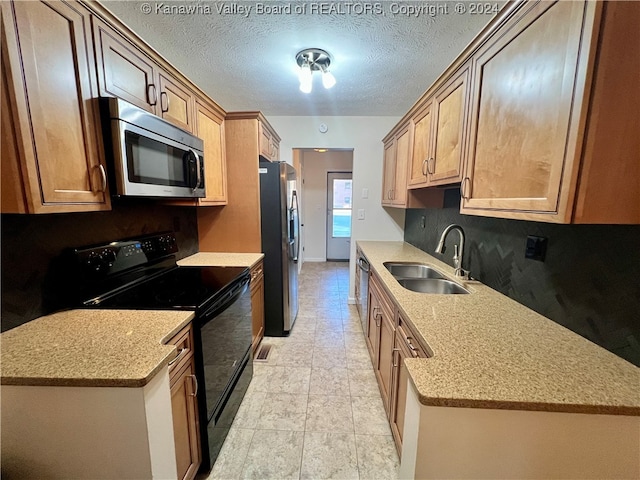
{"x":361,"y":214}
{"x":365,"y":193}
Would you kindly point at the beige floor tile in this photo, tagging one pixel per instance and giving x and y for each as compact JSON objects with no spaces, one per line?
{"x":329,"y":339}
{"x":329,"y":413}
{"x":288,"y":380}
{"x":362,"y":383}
{"x":249,"y":411}
{"x":283,"y":411}
{"x":329,"y":381}
{"x":329,"y":357}
{"x":377,"y":457}
{"x":358,"y":358}
{"x":274,"y":455}
{"x":231,"y":458}
{"x":369,"y":416}
{"x":294,"y":355}
{"x":329,"y":456}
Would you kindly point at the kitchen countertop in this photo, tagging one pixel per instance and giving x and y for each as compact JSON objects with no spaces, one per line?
{"x":489,"y":351}
{"x":91,"y":348}
{"x":222,"y":259}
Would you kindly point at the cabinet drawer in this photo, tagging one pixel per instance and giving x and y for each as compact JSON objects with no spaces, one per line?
{"x":411,"y":340}
{"x":184,"y":347}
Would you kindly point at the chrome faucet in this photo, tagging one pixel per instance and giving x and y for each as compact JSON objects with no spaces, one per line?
{"x":457,"y":254}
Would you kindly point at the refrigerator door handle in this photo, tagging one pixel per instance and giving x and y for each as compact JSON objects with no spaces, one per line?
{"x":296,"y":236}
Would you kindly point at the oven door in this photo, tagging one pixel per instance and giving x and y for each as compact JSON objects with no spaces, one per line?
{"x":148,"y":164}
{"x":223,"y":365}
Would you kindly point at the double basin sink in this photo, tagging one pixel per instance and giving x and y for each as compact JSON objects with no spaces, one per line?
{"x":423,"y":279}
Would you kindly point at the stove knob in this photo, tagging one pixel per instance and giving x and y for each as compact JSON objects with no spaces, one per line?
{"x":108,"y":257}
{"x":94,"y":263}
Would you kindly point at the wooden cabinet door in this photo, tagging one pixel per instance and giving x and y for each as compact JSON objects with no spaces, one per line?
{"x":185,"y":421}
{"x":386,"y":357}
{"x":449,"y":106}
{"x":176,"y":102}
{"x":421,"y":153}
{"x":389,"y":169}
{"x":209,"y":127}
{"x":521,"y":117}
{"x":123,"y":70}
{"x":399,"y":392}
{"x":403,"y":152}
{"x":257,"y":306}
{"x":53,"y":77}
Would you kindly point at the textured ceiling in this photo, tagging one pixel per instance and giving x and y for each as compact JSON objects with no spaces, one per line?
{"x":383,"y":61}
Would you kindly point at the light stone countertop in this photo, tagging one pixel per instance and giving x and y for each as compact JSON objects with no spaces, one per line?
{"x":221,"y":259}
{"x":91,"y":348}
{"x":489,"y":351}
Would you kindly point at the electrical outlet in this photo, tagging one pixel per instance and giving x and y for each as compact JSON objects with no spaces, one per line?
{"x":365,"y":193}
{"x":361,"y":214}
{"x":536,"y":248}
{"x":423,"y":222}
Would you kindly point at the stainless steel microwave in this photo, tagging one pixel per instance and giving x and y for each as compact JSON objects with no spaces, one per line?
{"x":151,"y":157}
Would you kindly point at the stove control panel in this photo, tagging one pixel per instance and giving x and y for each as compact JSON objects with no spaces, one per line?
{"x":114,"y":257}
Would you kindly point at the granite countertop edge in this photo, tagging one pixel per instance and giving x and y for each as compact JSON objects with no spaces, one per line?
{"x":422,"y":370}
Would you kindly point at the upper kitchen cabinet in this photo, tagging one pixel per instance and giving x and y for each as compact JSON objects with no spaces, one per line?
{"x":437,"y":154}
{"x":269,"y":142}
{"x":397,"y":151}
{"x":48,"y":81}
{"x":555,"y":110}
{"x":236,"y":227}
{"x":210,"y":128}
{"x":126,"y":72}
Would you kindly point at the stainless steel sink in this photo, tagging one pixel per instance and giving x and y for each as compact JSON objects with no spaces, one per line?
{"x":412,"y":270}
{"x":432,"y":285}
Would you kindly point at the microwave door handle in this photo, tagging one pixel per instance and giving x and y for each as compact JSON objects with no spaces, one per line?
{"x":198,"y":178}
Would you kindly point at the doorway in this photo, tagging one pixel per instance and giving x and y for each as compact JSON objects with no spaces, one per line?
{"x":339,"y":207}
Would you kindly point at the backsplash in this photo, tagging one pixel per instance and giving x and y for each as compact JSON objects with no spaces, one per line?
{"x":589,"y":281}
{"x":31,"y":242}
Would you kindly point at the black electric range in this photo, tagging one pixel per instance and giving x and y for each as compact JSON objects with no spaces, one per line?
{"x":142,"y":274}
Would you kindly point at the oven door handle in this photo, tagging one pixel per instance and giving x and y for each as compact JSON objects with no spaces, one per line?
{"x":223,"y":303}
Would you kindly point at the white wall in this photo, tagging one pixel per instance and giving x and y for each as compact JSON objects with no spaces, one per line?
{"x":315,"y":167}
{"x":364,"y":135}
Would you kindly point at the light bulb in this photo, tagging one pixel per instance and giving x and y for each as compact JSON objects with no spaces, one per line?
{"x":306,"y":80}
{"x":328,"y":80}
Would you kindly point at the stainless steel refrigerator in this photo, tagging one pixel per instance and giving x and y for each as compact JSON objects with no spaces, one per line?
{"x":280,"y":245}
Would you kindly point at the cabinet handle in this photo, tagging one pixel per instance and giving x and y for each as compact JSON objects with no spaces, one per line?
{"x":414,"y":350}
{"x":394,"y":356}
{"x":181,"y":352}
{"x":103,"y":176}
{"x":424,"y":167}
{"x":152,"y":88}
{"x":195,"y":381}
{"x":463,"y":190}
{"x":166,"y":97}
{"x":431,"y":161}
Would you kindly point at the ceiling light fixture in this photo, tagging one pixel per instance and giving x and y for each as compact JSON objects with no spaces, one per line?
{"x":314,"y":60}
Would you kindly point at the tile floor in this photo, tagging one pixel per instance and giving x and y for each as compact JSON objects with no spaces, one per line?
{"x":313,"y":411}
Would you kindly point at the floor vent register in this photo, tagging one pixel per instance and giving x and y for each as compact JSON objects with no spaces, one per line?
{"x":263,"y":353}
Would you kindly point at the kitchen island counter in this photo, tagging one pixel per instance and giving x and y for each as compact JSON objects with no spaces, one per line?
{"x":91,"y":348}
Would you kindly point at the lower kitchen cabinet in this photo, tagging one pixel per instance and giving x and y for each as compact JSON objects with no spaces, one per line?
{"x":257,"y":305}
{"x":390,"y":340}
{"x":184,"y":406}
{"x":405,"y":346}
{"x":380,"y":338}
{"x":48,"y":80}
